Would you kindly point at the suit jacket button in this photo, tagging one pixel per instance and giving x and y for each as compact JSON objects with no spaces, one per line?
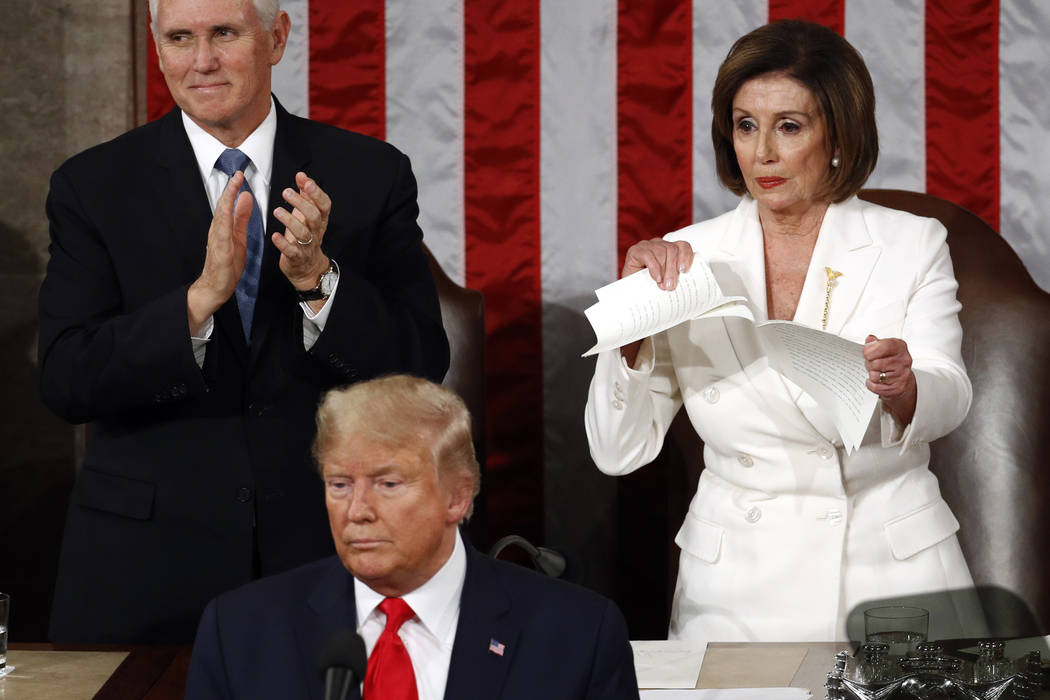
{"x":753,"y":514}
{"x":745,"y":461}
{"x":711,"y":394}
{"x":244,"y":494}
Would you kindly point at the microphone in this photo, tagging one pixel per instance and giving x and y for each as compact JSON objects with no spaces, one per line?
{"x":341,"y":662}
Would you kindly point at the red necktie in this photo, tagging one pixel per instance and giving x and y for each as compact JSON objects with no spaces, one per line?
{"x":390,"y":675}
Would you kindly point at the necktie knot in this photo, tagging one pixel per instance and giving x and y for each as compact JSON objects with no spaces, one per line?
{"x":397,"y":613}
{"x":231,"y":160}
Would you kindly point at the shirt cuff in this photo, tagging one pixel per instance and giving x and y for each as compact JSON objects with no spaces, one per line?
{"x":200,"y":341}
{"x":313,"y":324}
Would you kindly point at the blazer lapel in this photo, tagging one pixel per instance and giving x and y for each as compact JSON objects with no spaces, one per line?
{"x":185,"y":209}
{"x":486,"y":635}
{"x":330,"y":606}
{"x":290,"y":155}
{"x":845,"y":246}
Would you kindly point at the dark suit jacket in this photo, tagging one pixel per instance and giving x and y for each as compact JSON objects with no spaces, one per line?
{"x":562,"y":642}
{"x":190,"y":474}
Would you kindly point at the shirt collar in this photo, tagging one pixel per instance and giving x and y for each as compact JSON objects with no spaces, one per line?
{"x":258,"y":146}
{"x":435,"y":603}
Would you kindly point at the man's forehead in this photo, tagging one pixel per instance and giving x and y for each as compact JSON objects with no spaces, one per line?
{"x":180,"y":14}
{"x":369,"y":457}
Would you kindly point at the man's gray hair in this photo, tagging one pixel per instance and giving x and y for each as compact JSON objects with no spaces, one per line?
{"x":266,"y":9}
{"x":400,"y":411}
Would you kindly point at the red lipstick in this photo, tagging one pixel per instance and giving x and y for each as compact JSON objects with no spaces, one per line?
{"x":768,"y":183}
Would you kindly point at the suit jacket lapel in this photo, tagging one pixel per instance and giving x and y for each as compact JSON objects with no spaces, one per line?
{"x":485,"y":618}
{"x":185,"y":210}
{"x":844,"y":245}
{"x":330,"y":605}
{"x":290,"y":155}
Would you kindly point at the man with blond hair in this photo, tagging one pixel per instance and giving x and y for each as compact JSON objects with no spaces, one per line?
{"x":211,"y":275}
{"x":438,"y":619}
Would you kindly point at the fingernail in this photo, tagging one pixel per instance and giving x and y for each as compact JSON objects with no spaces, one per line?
{"x":681,"y":267}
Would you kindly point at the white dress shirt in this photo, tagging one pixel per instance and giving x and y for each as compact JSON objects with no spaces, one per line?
{"x":429,"y":635}
{"x":259,"y":148}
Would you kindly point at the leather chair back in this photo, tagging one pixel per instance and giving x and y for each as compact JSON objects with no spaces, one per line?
{"x":463,"y":313}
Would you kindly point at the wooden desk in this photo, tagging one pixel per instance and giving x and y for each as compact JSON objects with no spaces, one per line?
{"x":104,"y":672}
{"x":112,"y":672}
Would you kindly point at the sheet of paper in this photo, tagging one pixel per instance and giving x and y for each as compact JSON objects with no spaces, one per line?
{"x":668,"y":663}
{"x":634,"y":307}
{"x":828,"y":368}
{"x":728,"y":694}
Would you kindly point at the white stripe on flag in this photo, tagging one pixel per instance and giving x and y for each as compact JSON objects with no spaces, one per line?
{"x":291,"y":77}
{"x":716,"y":25}
{"x":578,"y":239}
{"x":1024,"y":103}
{"x":424,"y":116}
{"x":891,"y":38}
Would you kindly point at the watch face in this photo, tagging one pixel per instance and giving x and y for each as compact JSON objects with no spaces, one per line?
{"x":327,"y":283}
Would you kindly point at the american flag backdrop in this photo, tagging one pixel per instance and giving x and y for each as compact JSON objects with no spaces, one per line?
{"x":549,"y":135}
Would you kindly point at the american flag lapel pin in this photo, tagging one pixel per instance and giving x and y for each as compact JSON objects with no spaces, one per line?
{"x":497,"y":648}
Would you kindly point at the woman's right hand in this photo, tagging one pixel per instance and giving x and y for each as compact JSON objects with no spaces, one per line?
{"x":665,"y":260}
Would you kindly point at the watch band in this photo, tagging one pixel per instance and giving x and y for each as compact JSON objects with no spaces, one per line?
{"x":325,"y":282}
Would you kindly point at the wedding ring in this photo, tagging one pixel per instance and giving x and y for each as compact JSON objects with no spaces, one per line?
{"x":305,"y":242}
{"x":882,"y":377}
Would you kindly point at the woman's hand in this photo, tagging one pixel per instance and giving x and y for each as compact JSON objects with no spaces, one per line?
{"x":665,"y":261}
{"x":890,"y":377}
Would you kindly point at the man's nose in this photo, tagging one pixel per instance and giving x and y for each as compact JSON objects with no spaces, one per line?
{"x":205,"y":57}
{"x":359,"y":508}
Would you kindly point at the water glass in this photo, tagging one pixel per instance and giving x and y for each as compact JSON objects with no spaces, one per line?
{"x":902,"y":627}
{"x":5,"y":605}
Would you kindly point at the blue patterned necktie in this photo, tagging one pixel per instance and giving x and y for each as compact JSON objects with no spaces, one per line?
{"x":230,"y":162}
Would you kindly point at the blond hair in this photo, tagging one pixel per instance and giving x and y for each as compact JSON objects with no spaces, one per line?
{"x":400,"y":411}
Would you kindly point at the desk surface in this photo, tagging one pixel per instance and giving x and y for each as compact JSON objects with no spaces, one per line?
{"x":58,"y":672}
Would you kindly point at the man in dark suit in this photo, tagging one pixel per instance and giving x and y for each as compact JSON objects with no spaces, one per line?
{"x":198,"y":344}
{"x":398,"y":464}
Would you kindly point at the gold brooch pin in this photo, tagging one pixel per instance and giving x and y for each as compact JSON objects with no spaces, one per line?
{"x":832,"y":276}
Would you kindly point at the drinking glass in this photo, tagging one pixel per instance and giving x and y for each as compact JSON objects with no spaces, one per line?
{"x":902,"y":627}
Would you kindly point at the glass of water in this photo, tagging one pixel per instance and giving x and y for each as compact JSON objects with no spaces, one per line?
{"x":5,"y":605}
{"x":902,"y":627}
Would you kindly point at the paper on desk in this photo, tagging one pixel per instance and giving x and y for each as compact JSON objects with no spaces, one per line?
{"x":668,"y":663}
{"x":729,"y":694}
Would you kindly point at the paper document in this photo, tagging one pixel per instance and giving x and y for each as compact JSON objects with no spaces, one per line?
{"x":827,"y":367}
{"x":668,"y":663}
{"x":728,"y":694}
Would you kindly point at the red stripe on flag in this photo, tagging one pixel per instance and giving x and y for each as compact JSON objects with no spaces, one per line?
{"x":348,"y":65}
{"x":654,"y":119}
{"x":962,"y":104}
{"x":502,"y":216}
{"x":158,"y":99}
{"x":830,"y":13}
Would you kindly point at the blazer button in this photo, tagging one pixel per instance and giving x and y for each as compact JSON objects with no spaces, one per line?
{"x":617,"y":404}
{"x":825,"y":452}
{"x":711,"y":394}
{"x":745,"y":461}
{"x":753,"y":514}
{"x":244,"y":494}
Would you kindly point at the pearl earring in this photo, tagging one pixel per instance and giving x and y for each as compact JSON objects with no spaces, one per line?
{"x":836,"y":162}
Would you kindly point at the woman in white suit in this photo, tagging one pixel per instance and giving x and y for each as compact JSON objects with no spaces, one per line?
{"x":787,"y":534}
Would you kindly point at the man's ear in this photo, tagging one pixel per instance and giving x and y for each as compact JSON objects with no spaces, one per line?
{"x":282,"y":27}
{"x":460,"y":497}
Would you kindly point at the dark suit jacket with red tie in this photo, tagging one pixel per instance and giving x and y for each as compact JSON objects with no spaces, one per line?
{"x":195,"y":481}
{"x":560,"y":641}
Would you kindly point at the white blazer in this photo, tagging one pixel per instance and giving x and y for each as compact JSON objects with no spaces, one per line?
{"x":786,"y":534}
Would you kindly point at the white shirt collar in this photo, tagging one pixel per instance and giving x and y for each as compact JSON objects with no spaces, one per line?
{"x":436,"y":602}
{"x":258,"y":146}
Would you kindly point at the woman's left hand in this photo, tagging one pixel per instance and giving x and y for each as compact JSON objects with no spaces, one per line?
{"x":890,"y":377}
